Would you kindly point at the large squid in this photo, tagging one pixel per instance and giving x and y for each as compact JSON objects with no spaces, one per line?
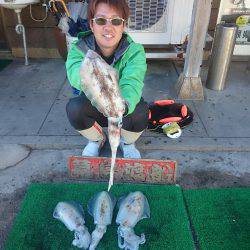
{"x":132,"y":209}
{"x":99,"y":81}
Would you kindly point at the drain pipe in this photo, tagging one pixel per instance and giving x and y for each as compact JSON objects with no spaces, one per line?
{"x":20,"y":30}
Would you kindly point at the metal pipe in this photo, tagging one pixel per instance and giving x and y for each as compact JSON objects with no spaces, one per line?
{"x":248,"y":40}
{"x":222,"y":51}
{"x":21,"y":30}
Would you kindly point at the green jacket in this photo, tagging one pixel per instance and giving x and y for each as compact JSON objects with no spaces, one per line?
{"x":129,"y":61}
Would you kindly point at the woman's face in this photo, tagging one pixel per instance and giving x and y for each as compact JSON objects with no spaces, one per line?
{"x":107,"y":36}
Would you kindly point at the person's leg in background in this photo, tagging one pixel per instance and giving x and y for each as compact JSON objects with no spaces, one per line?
{"x":133,"y":126}
{"x":88,"y":121}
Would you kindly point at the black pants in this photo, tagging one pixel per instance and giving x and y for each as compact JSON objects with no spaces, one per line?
{"x":82,"y":115}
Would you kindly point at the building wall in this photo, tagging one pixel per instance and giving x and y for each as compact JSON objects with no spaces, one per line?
{"x":3,"y":41}
{"x":43,"y":38}
{"x":214,"y":15}
{"x":39,"y":35}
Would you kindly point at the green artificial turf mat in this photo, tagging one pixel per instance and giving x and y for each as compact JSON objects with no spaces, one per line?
{"x":35,"y":228}
{"x":220,"y":217}
{"x":4,"y":63}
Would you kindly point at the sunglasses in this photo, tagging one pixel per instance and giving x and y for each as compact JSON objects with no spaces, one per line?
{"x":116,"y":21}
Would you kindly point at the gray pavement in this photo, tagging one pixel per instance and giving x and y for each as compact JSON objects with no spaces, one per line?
{"x":33,"y":99}
{"x":36,"y":137}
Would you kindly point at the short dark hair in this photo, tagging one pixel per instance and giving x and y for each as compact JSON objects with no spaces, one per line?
{"x":120,"y":5}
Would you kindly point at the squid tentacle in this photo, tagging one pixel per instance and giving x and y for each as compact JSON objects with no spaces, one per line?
{"x":114,"y":130}
{"x":82,"y":238}
{"x":97,"y":235}
{"x":131,"y":240}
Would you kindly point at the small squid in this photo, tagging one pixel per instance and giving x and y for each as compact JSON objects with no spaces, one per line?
{"x":132,"y":209}
{"x":71,"y":214}
{"x":101,"y":208}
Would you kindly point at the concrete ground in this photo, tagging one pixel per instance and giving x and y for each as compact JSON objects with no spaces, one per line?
{"x":36,"y":137}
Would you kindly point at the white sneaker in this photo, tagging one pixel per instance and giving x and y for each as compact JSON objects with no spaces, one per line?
{"x":92,"y":149}
{"x":130,"y":151}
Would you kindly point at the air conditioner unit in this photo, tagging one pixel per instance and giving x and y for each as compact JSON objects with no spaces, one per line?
{"x":159,"y":22}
